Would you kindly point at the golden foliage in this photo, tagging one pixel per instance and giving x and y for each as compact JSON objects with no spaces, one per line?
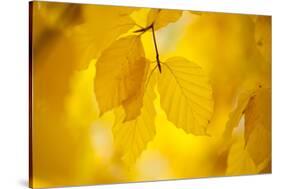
{"x":192,"y":105}
{"x":161,"y":18}
{"x":235,"y":116}
{"x":162,"y":81}
{"x":255,"y":106}
{"x":182,"y":81}
{"x":132,"y":137}
{"x":119,"y":82}
{"x":258,"y":126}
{"x":239,"y":161}
{"x":133,"y":104}
{"x":94,"y":35}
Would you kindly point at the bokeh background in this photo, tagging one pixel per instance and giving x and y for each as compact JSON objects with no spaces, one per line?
{"x":73,"y":145}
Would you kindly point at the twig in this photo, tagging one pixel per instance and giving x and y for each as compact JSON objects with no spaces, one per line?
{"x":156,"y":49}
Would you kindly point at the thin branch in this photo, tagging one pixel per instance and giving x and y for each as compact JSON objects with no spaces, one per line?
{"x":143,"y":30}
{"x":156,"y":49}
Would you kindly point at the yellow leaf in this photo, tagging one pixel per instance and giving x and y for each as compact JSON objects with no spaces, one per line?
{"x":235,"y":116}
{"x":96,"y":34}
{"x":133,"y":104}
{"x":258,"y":126}
{"x":255,"y":105}
{"x":186,"y":95}
{"x":119,"y":72}
{"x":161,"y":18}
{"x":239,"y":161}
{"x":132,"y":137}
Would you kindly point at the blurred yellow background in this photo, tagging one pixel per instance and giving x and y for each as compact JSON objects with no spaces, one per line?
{"x":73,"y":145}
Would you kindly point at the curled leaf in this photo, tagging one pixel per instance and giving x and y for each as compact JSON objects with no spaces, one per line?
{"x":235,"y":116}
{"x":258,"y":126}
{"x":255,"y":106}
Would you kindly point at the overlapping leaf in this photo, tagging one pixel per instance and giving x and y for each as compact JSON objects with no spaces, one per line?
{"x":186,"y":95}
{"x":132,"y":137}
{"x":258,"y":126}
{"x":255,"y":105}
{"x":134,"y":103}
{"x":161,"y":18}
{"x":95,"y":35}
{"x":121,"y":70}
{"x":235,"y":116}
{"x":239,"y":161}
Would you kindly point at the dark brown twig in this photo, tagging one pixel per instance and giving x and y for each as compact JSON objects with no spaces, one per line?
{"x":156,"y":49}
{"x":143,"y":30}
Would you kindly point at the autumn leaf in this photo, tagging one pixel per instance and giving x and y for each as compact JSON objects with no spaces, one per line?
{"x":133,"y":104}
{"x":161,"y":18}
{"x":132,"y":137}
{"x":95,"y":35}
{"x":185,"y":95}
{"x":255,"y":106}
{"x":235,"y":116}
{"x":239,"y":160}
{"x":120,"y":74}
{"x":119,"y":52}
{"x":258,"y":126}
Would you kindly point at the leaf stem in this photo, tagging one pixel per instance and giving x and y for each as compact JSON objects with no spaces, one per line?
{"x":143,"y":30}
{"x":156,"y":49}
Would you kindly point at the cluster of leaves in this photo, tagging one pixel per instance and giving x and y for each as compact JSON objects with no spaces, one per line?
{"x":126,"y":78}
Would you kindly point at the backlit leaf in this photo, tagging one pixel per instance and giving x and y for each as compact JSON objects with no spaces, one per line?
{"x":255,"y":106}
{"x":239,"y":161}
{"x":133,"y":104}
{"x":119,"y":72}
{"x":186,"y":95}
{"x":258,"y":126}
{"x":132,"y":137}
{"x":161,"y":18}
{"x":94,"y":35}
{"x":235,"y":116}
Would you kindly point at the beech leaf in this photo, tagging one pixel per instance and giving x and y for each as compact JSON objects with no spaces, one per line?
{"x":161,"y":18}
{"x":119,"y":73}
{"x":186,"y":95}
{"x":132,"y":137}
